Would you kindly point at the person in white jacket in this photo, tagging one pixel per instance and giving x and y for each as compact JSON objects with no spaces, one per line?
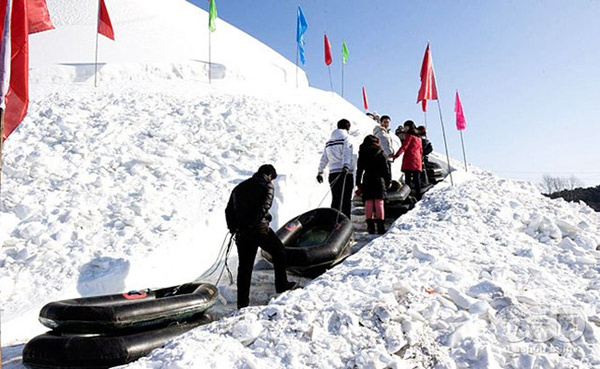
{"x":382,"y":132}
{"x":339,"y":156}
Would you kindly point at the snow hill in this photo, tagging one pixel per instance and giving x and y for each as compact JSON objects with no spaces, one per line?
{"x":123,"y":187}
{"x":152,"y":41}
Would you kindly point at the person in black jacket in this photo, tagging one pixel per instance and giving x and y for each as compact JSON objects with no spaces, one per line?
{"x":248,"y":218}
{"x":427,"y":146}
{"x":427,"y":149}
{"x":373,"y":179}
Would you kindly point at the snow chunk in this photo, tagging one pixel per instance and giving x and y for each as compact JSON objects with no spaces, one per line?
{"x":460,"y":299}
{"x":486,"y":290}
{"x":479,"y":307}
{"x":567,"y":229}
{"x":586,"y":242}
{"x":422,"y":255}
{"x":543,"y":228}
{"x":569,"y":244}
{"x":247,"y":331}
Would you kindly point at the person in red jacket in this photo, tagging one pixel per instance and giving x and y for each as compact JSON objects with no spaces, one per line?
{"x":412,"y":162}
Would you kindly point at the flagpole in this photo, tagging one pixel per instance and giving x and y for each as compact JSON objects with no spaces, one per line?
{"x":0,"y":341}
{"x":0,"y":328}
{"x":342,"y":79}
{"x":440,"y":112}
{"x":1,"y":206}
{"x":425,"y":166}
{"x":96,"y":58}
{"x":1,"y":146}
{"x":209,"y":58}
{"x":462,"y":142}
{"x":330,"y":81}
{"x":4,"y":49}
{"x":96,"y":63}
{"x":297,"y":65}
{"x":444,"y":135}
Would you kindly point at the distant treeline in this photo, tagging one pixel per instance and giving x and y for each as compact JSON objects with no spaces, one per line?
{"x":591,"y":196}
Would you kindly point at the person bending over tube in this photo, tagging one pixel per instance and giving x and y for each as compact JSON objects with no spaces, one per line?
{"x":248,"y":218}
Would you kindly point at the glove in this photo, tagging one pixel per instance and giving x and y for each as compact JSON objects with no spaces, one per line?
{"x":345,"y":171}
{"x":269,"y":217}
{"x":358,"y":191}
{"x":319,"y":178}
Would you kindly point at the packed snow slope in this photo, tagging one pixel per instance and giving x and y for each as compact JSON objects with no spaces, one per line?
{"x":123,"y":187}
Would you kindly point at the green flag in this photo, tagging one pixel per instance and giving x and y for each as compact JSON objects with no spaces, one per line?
{"x":345,"y":52}
{"x":212,"y":15}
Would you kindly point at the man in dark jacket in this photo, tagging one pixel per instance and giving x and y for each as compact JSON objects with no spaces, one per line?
{"x":248,"y":218}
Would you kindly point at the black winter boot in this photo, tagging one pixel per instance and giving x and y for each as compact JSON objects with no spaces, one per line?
{"x":371,"y":226}
{"x":380,"y":226}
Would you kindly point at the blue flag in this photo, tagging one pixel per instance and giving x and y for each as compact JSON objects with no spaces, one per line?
{"x":301,"y":27}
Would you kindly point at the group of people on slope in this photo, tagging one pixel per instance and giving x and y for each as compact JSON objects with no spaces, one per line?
{"x":247,"y":212}
{"x":374,"y":166}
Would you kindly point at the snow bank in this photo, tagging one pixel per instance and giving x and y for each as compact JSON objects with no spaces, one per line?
{"x":460,"y":281}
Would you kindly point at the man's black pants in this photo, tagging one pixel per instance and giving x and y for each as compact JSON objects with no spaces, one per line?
{"x":413,"y":179}
{"x":247,"y":243}
{"x":340,"y":182}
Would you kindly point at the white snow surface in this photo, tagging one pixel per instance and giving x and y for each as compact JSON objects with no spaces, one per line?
{"x":123,"y":186}
{"x":153,"y":39}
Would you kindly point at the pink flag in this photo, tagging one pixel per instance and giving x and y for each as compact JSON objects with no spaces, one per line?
{"x":104,"y":25}
{"x":461,"y":123}
{"x":328,"y":58}
{"x":365,"y":101}
{"x":428,"y":90}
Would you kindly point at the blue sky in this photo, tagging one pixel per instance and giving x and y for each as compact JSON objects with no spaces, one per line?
{"x":528,"y":71}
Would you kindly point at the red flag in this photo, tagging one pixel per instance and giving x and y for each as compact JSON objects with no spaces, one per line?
{"x":17,"y":97}
{"x":461,"y":122}
{"x":328,"y":58}
{"x":428,"y":90}
{"x":365,"y":101}
{"x":39,"y":18}
{"x":104,"y":25}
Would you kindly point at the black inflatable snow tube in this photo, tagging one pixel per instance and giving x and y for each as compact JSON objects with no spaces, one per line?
{"x":397,"y":193}
{"x":315,"y":241}
{"x":129,"y":311}
{"x":64,"y":350}
{"x":437,"y":170}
